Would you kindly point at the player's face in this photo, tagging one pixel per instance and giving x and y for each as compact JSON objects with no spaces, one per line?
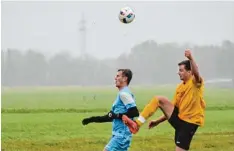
{"x":120,"y":80}
{"x":183,"y":73}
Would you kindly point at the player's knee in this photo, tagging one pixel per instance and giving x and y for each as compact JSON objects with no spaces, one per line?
{"x":162,"y":100}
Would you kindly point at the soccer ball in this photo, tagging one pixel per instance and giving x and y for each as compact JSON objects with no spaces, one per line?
{"x":126,"y":15}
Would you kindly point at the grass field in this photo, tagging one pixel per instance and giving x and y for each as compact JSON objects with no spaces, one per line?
{"x":49,"y":119}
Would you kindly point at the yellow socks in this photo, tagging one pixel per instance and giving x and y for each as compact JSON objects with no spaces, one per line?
{"x":148,"y":111}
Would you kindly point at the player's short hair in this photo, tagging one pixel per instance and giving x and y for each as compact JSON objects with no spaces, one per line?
{"x":127,"y":73}
{"x":186,"y":64}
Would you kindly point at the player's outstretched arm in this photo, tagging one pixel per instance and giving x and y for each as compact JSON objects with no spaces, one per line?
{"x":194,"y":66}
{"x":97,"y":119}
{"x":132,"y":112}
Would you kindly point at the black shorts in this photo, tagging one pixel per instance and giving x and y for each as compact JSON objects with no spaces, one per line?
{"x":184,"y":131}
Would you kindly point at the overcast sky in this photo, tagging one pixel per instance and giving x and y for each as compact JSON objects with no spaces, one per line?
{"x":50,"y":27}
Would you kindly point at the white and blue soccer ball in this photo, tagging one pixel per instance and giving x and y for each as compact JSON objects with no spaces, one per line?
{"x":126,"y":15}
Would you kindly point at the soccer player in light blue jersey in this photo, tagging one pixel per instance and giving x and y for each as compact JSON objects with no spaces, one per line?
{"x":124,"y":105}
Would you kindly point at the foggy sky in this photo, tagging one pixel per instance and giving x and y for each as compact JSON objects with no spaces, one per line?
{"x":50,"y":27}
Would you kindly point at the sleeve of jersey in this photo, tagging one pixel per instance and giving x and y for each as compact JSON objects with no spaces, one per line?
{"x":127,"y":99}
{"x":174,"y":98}
{"x":198,"y":84}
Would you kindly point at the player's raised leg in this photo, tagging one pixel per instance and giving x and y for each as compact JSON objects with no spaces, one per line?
{"x":156,"y":102}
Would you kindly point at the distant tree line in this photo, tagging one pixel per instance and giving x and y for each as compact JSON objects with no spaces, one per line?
{"x":151,"y":63}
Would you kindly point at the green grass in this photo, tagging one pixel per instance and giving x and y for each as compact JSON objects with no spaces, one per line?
{"x":50,"y":119}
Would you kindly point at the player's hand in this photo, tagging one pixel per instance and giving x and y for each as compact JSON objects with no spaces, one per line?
{"x":153,"y":123}
{"x":188,"y":54}
{"x":86,"y":121}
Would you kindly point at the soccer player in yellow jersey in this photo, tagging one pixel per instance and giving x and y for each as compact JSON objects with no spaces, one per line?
{"x":185,"y":113}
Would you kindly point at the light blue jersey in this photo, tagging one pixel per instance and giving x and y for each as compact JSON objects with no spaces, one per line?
{"x":121,"y":135}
